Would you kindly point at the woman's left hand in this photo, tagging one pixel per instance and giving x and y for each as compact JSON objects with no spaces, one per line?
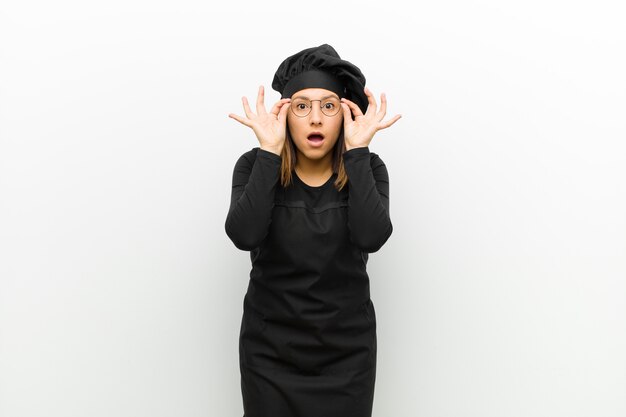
{"x":359,"y":132}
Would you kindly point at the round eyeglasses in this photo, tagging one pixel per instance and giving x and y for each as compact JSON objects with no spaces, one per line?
{"x":301,"y":107}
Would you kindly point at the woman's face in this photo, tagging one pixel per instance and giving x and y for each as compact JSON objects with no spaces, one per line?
{"x":315,"y":121}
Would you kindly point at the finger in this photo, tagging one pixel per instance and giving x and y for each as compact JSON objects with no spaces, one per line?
{"x":372,"y":102}
{"x":246,"y":108}
{"x":388,"y":123}
{"x":347,"y":117}
{"x":279,"y":106}
{"x":383,"y":107}
{"x":239,"y":119}
{"x":260,"y":107}
{"x":355,"y":109}
{"x":282,"y":115}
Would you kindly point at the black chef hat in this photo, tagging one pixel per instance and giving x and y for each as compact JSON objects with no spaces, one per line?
{"x":321,"y":67}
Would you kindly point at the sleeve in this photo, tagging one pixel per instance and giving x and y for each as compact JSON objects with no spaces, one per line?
{"x":369,"y":223}
{"x":254,"y":185}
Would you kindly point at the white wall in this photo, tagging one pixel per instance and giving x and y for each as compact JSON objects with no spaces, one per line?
{"x":501,"y":292}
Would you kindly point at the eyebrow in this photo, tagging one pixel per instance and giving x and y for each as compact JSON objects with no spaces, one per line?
{"x":330,"y":95}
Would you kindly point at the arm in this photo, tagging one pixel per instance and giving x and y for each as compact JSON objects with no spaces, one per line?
{"x":369,"y":223}
{"x":252,"y":198}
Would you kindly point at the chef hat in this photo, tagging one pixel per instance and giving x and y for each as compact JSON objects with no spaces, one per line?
{"x":321,"y":67}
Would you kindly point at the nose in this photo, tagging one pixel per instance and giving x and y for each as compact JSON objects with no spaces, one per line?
{"x":316,"y":114}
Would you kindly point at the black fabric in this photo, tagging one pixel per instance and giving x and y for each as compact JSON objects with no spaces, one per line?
{"x":314,"y":79}
{"x":307,"y":343}
{"x":323,"y":58}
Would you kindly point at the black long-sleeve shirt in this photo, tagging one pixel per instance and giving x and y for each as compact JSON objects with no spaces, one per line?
{"x":255,"y":182}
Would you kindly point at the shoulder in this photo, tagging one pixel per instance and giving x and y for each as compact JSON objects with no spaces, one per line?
{"x":375,"y":158}
{"x":251,"y":154}
{"x":361,"y":154}
{"x":376,"y":161}
{"x":247,"y":158}
{"x":379,"y":169}
{"x":257,"y":152}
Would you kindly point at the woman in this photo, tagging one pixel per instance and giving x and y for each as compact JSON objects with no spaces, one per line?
{"x":309,"y":204}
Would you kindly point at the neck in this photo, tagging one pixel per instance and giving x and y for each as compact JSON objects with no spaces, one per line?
{"x":314,"y":167}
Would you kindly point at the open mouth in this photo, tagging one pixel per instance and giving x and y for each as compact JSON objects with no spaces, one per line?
{"x":316,"y":137}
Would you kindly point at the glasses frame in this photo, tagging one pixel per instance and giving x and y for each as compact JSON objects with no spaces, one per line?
{"x":321,"y":108}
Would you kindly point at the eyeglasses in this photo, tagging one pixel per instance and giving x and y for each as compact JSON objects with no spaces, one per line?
{"x":302,"y":107}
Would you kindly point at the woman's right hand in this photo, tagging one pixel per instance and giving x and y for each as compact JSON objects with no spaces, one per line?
{"x":269,"y":128}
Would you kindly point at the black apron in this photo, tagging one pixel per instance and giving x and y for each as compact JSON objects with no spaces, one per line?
{"x":307,"y":343}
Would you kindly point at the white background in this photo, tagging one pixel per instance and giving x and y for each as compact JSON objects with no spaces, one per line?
{"x":500,"y":293}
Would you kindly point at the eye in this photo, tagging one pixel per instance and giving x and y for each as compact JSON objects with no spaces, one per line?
{"x":331,"y":104}
{"x":301,"y":104}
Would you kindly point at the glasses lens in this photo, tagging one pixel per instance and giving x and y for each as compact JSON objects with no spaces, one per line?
{"x":302,"y":107}
{"x":330,"y":106}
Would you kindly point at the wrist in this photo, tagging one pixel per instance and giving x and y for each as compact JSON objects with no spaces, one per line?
{"x":273,"y":150}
